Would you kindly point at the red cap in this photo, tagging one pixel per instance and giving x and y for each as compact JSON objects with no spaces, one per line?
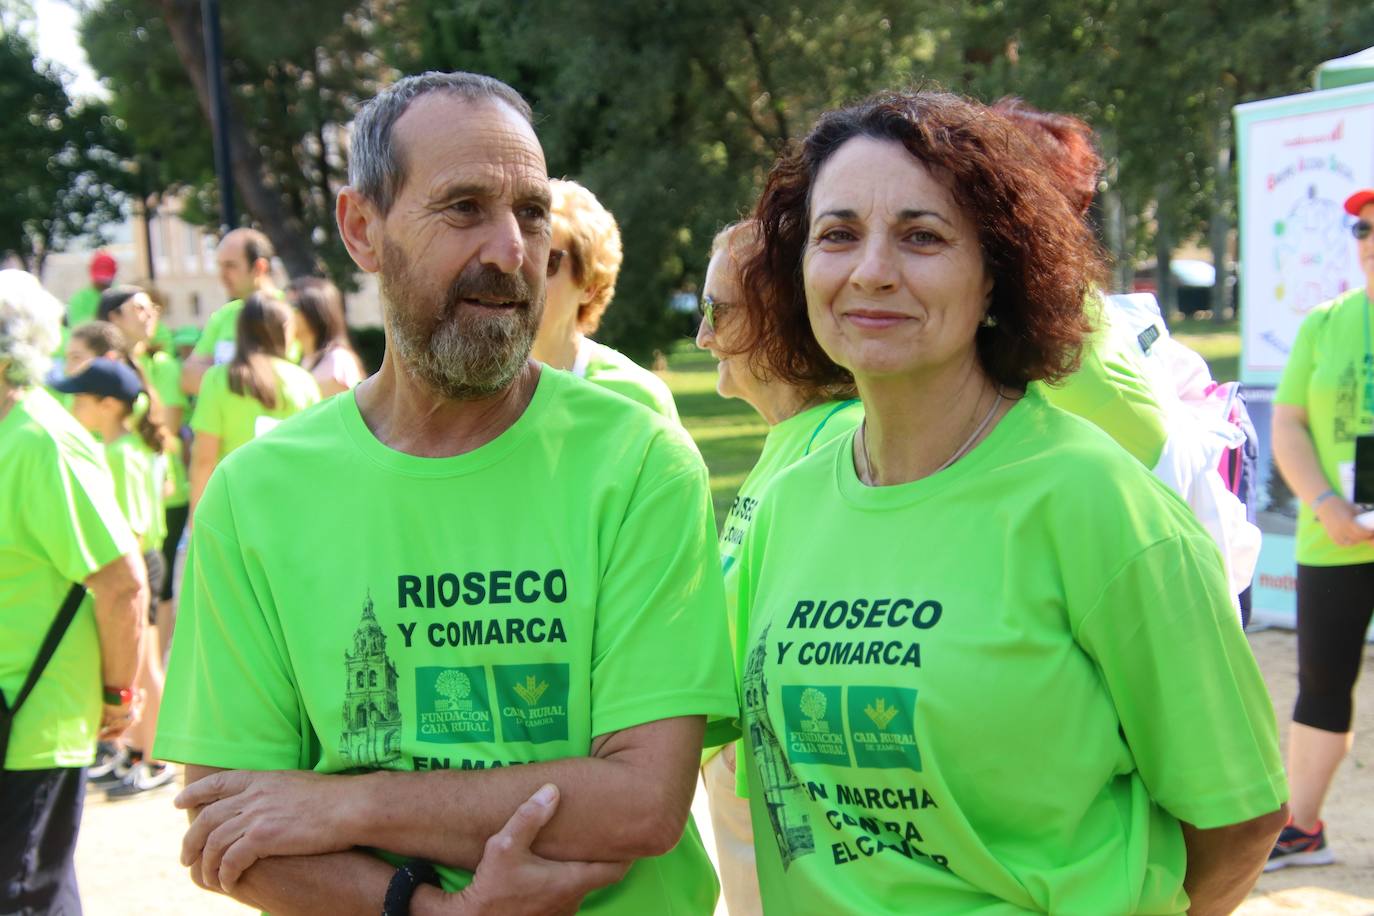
{"x":1359,"y":200}
{"x":103,"y":268}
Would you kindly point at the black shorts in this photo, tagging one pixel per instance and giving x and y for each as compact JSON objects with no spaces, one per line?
{"x":1334,"y":608}
{"x":157,"y":573}
{"x":40,"y":814}
{"x":176,"y":523}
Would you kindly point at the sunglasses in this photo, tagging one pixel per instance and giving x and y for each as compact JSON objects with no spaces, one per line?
{"x":1361,"y":230}
{"x":709,"y":309}
{"x":556,"y":256}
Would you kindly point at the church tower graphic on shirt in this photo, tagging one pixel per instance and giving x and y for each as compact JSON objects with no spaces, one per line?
{"x":371,"y":735}
{"x":781,"y":789}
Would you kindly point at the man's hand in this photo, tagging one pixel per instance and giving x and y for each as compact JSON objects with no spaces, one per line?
{"x":115,"y":720}
{"x":513,"y":881}
{"x":245,"y":816}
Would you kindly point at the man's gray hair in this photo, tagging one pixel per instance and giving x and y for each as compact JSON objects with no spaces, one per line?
{"x":30,"y":328}
{"x":375,"y":167}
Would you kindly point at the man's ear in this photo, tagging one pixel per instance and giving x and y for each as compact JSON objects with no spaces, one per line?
{"x":359,"y":223}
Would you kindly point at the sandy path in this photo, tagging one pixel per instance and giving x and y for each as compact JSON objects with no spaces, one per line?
{"x":127,"y":858}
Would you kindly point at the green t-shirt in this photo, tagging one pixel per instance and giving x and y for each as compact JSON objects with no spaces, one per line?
{"x":1326,"y":376}
{"x":995,"y":689}
{"x":83,"y":306}
{"x":162,"y":339}
{"x":612,"y":369}
{"x":238,"y":418}
{"x":59,"y":522}
{"x":219,"y":338}
{"x":787,"y":442}
{"x":506,"y":605}
{"x":1111,"y":389}
{"x":138,"y":477}
{"x":164,"y":374}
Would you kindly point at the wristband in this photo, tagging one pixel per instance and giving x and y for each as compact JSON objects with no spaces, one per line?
{"x":1321,"y":499}
{"x":117,"y":696}
{"x":403,"y":884}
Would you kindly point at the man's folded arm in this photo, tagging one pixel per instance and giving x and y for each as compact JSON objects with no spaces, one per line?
{"x":629,"y":800}
{"x":331,"y":884}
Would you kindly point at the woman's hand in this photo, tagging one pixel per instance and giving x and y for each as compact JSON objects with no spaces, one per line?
{"x":1337,"y":516}
{"x":513,"y":881}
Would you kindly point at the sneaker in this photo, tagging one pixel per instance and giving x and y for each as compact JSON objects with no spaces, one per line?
{"x":1297,"y":847}
{"x":112,"y":764}
{"x":141,"y":778}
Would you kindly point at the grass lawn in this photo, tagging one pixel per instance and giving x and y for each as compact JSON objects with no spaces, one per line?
{"x":730,"y":434}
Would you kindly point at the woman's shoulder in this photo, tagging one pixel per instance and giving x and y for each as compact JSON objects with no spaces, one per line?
{"x":291,"y":374}
{"x":216,"y":376}
{"x":1351,"y":301}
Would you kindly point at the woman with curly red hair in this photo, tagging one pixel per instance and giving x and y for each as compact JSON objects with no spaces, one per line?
{"x":978,"y":639}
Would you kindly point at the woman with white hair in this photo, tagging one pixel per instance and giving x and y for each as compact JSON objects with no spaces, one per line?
{"x":584,"y":262}
{"x":67,"y":659}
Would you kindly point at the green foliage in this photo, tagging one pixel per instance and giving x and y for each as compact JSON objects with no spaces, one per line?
{"x":295,"y":72}
{"x":672,"y":112}
{"x":63,"y":170}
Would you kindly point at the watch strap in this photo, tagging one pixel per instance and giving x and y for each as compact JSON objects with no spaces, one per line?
{"x":403,"y":884}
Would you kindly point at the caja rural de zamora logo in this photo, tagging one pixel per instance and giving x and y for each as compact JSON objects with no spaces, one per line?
{"x":531,"y":690}
{"x":533,"y":700}
{"x":880,"y":713}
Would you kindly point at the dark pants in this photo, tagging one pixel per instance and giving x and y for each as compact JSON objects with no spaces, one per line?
{"x":176,"y":523}
{"x":1334,"y":608}
{"x":40,"y":814}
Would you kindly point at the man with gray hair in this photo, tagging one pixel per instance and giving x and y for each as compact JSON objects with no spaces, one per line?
{"x":469,"y":583}
{"x":67,"y":659}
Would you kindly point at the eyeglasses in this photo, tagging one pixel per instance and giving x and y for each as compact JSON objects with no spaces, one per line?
{"x":709,"y":309}
{"x":1361,"y":230}
{"x":556,"y":256}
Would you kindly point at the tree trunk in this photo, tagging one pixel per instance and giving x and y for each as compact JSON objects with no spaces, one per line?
{"x":264,"y":202}
{"x":1113,"y":219}
{"x":1166,"y":289}
{"x":1219,"y":227}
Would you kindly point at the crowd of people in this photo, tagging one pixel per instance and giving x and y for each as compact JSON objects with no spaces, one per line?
{"x":459,"y":636}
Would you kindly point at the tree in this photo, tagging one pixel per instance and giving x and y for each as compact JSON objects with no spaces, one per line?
{"x":295,"y":74}
{"x":63,"y":170}
{"x":671,"y":113}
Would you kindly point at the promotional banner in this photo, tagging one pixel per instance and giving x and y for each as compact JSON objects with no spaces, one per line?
{"x":1299,"y":157}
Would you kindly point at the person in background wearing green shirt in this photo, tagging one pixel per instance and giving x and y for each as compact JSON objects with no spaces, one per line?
{"x":131,"y":309}
{"x":799,"y":418}
{"x":1325,"y":404}
{"x":584,"y":261}
{"x":988,"y":661}
{"x":59,"y":524}
{"x":85,"y":302}
{"x":254,"y":392}
{"x":244,"y":257}
{"x":107,"y":394}
{"x":469,"y":561}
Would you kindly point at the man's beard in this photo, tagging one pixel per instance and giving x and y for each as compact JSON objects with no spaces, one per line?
{"x":463,"y":353}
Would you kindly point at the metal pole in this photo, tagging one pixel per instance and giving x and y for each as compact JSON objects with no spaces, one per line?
{"x":219,"y":106}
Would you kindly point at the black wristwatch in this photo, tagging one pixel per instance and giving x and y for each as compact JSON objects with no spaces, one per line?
{"x":403,"y":884}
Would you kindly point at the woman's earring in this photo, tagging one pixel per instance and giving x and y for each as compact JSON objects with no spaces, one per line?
{"x":989,"y":320}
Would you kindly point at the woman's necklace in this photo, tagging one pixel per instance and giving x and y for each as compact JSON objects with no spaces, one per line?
{"x":958,"y":453}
